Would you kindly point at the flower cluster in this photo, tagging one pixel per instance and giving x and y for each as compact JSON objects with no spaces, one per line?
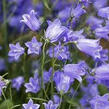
{"x":65,"y":63}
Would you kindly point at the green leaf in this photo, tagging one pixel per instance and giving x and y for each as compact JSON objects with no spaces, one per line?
{"x":7,"y":104}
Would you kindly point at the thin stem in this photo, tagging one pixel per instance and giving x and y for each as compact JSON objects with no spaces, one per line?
{"x":61,"y":100}
{"x":46,"y":94}
{"x":15,"y":106}
{"x":53,"y":64}
{"x":39,"y":99}
{"x":42,"y":65}
{"x":70,"y":106}
{"x":5,"y":99}
{"x":24,"y":64}
{"x":78,"y":87}
{"x":4,"y":75}
{"x":10,"y":93}
{"x":5,"y":26}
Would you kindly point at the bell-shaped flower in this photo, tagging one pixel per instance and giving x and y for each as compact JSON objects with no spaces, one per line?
{"x":32,"y":20}
{"x":55,"y":31}
{"x":89,"y":46}
{"x":75,"y":71}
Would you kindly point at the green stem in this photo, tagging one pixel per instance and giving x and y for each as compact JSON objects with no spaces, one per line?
{"x":15,"y":106}
{"x":53,"y":64}
{"x":39,"y":99}
{"x":42,"y":66}
{"x":61,"y":100}
{"x":10,"y":93}
{"x":78,"y":86}
{"x":24,"y":67}
{"x":5,"y":27}
{"x":70,"y":106}
{"x":4,"y":75}
{"x":5,"y":99}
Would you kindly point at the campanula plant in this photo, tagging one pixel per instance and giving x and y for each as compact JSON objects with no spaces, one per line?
{"x":54,"y":54}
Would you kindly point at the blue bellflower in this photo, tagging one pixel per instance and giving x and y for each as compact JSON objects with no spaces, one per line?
{"x":75,"y":71}
{"x":78,"y":11}
{"x":60,"y":52}
{"x":17,"y":82}
{"x":100,"y":4}
{"x":15,"y":51}
{"x":33,"y":85}
{"x":89,"y":92}
{"x":57,"y":99}
{"x":90,"y":47}
{"x":34,"y":46}
{"x":31,"y":20}
{"x":62,"y":81}
{"x":104,"y":12}
{"x":102,"y":32}
{"x":50,"y":105}
{"x":100,"y":102}
{"x":94,"y":22}
{"x":55,"y":31}
{"x":74,"y":35}
{"x":102,"y":74}
{"x":30,"y":105}
{"x":65,"y":14}
{"x":47,"y":75}
{"x":104,"y":55}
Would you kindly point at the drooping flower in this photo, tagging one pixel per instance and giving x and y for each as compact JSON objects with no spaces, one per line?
{"x":17,"y":82}
{"x":94,"y":22}
{"x":47,"y":75}
{"x":75,"y":71}
{"x":100,"y":102}
{"x":104,"y":55}
{"x":78,"y":11}
{"x":59,"y":5}
{"x":2,"y":85}
{"x":100,"y":4}
{"x":102,"y":74}
{"x":74,"y":35}
{"x":102,"y":32}
{"x":55,"y":31}
{"x":62,"y":81}
{"x":32,"y":20}
{"x":50,"y":105}
{"x":30,"y":105}
{"x":104,"y":12}
{"x":34,"y":46}
{"x":65,"y":14}
{"x":89,"y":92}
{"x":15,"y":51}
{"x":90,"y":47}
{"x":57,"y":99}
{"x":60,"y":52}
{"x":33,"y":85}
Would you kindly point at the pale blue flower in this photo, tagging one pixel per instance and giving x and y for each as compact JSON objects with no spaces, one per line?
{"x":34,"y":47}
{"x":55,"y":31}
{"x":90,"y":47}
{"x":50,"y":105}
{"x":15,"y":51}
{"x":32,"y":20}
{"x":30,"y":105}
